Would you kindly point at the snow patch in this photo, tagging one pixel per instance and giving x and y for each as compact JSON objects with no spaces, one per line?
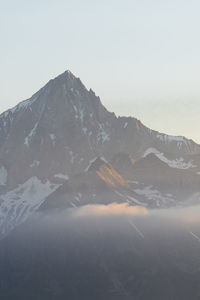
{"x":152,"y":194}
{"x":128,"y":198}
{"x":180,"y":140}
{"x":24,"y":104}
{"x":73,"y":156}
{"x":78,"y":197}
{"x":35,"y":163}
{"x":81,"y":114}
{"x":3,"y":176}
{"x":31,"y":134}
{"x":136,"y":201}
{"x":102,"y":135}
{"x":126,"y":124}
{"x":21,"y":106}
{"x":119,"y":194}
{"x":90,"y":163}
{"x":62,"y":176}
{"x":75,"y":109}
{"x":133,"y":181}
{"x":178,"y":163}
{"x":20,"y":203}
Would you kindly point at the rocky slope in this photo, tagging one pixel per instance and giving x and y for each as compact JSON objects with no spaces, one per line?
{"x":55,"y":135}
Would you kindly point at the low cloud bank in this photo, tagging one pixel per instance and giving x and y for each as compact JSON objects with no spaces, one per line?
{"x":113,"y":209}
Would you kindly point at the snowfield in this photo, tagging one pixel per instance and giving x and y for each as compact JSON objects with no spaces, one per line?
{"x":178,"y":163}
{"x":20,"y":203}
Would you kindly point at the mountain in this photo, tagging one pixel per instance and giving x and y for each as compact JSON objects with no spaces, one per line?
{"x":99,"y":184}
{"x":54,"y":136}
{"x":160,"y":184}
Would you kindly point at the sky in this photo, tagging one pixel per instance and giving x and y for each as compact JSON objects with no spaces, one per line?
{"x":140,"y":56}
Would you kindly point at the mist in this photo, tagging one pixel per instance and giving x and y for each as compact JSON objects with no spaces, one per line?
{"x":96,"y":252}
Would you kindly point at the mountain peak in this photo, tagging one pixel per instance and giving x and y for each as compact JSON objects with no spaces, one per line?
{"x":69,"y":72}
{"x":67,"y":75}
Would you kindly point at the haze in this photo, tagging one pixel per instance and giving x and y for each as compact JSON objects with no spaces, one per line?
{"x":71,"y":255}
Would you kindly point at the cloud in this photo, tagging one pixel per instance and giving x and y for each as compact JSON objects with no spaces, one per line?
{"x":189,"y":214}
{"x":192,"y":215}
{"x":113,"y":209}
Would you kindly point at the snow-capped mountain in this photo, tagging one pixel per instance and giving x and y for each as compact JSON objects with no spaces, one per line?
{"x":56,"y":134}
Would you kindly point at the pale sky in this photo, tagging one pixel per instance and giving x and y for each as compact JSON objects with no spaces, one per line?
{"x":141,"y":57}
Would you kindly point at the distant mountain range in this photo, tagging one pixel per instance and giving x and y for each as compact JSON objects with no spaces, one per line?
{"x":63,"y":148}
